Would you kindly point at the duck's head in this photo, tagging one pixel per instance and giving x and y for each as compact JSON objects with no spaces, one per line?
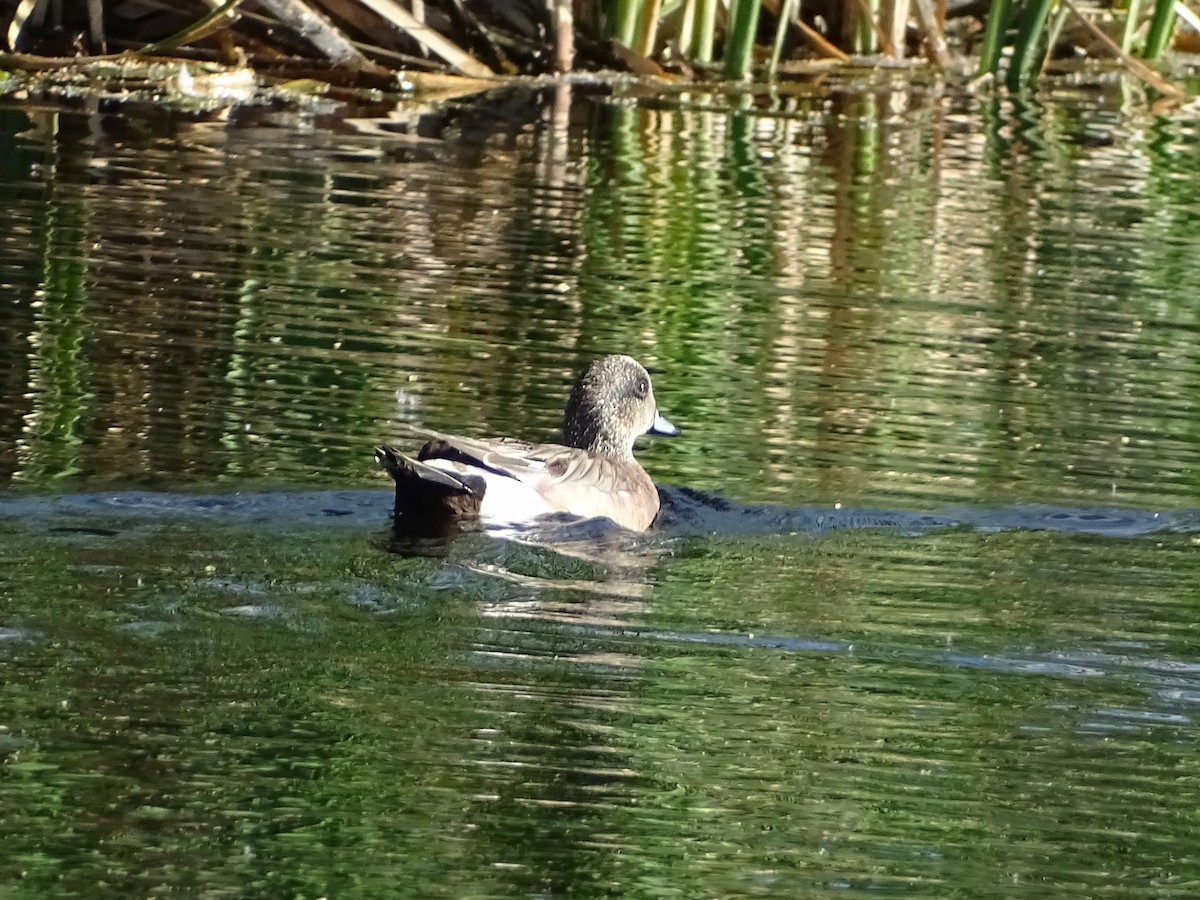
{"x":611,"y":404}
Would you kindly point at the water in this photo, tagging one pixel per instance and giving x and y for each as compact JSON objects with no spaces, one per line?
{"x":939,"y":355}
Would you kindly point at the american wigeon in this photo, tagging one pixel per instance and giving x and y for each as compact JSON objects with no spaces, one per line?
{"x":592,"y":473}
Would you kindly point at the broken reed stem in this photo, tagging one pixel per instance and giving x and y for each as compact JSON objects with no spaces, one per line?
{"x":455,"y":57}
{"x":315,"y":28}
{"x":201,"y":28}
{"x":934,"y":39}
{"x":564,"y":36}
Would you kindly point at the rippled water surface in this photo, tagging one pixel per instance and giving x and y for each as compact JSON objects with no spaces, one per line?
{"x":921,"y":616}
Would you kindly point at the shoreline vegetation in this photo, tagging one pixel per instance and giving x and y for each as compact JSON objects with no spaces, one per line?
{"x":227,"y":49}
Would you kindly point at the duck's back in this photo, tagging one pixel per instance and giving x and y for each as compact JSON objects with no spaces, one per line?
{"x":526,"y":480}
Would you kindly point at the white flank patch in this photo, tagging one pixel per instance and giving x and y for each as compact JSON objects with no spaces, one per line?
{"x":506,"y":499}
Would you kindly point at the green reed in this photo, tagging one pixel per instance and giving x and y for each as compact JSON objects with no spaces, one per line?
{"x":1132,"y":13}
{"x":993,"y":39}
{"x":727,"y":31}
{"x":1029,"y":47}
{"x":704,"y":38}
{"x":743,"y":27}
{"x":1162,"y":25}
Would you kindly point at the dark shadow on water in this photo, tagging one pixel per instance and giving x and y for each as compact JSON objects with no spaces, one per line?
{"x":688,"y":511}
{"x":684,"y":512}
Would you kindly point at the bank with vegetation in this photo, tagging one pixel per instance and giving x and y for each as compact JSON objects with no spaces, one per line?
{"x":411,"y":44}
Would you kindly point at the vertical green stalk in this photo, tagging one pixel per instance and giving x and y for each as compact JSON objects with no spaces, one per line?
{"x":787,"y":11}
{"x":864,"y":34}
{"x":1056,"y":27}
{"x":1132,"y":14}
{"x":706,"y":26}
{"x":894,"y":21}
{"x":687,"y":26}
{"x":743,"y":25}
{"x":625,"y":21}
{"x":1027,"y":51}
{"x":646,"y":33}
{"x":993,"y":38}
{"x":1162,"y":24}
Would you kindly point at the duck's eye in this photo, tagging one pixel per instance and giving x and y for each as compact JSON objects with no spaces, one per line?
{"x":642,"y":388}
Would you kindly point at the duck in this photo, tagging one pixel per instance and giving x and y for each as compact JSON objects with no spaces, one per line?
{"x":592,"y":473}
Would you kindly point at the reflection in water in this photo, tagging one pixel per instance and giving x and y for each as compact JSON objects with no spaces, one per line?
{"x":849,"y":300}
{"x":798,"y":712}
{"x":950,"y":342}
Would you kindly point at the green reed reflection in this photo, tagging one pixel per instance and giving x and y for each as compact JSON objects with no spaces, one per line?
{"x":846,"y":297}
{"x":52,"y":433}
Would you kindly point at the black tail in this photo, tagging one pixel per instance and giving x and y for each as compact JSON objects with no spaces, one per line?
{"x":428,"y":498}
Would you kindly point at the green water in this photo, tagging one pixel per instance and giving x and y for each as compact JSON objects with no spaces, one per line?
{"x":893,"y":300}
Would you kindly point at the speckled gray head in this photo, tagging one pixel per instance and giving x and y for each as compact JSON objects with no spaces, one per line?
{"x":611,"y":404}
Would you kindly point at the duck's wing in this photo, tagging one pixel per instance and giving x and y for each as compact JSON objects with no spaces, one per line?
{"x":576,"y":481}
{"x":504,"y":456}
{"x":534,"y":464}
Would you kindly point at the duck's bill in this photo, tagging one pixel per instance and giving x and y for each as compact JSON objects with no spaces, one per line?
{"x":662,"y":427}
